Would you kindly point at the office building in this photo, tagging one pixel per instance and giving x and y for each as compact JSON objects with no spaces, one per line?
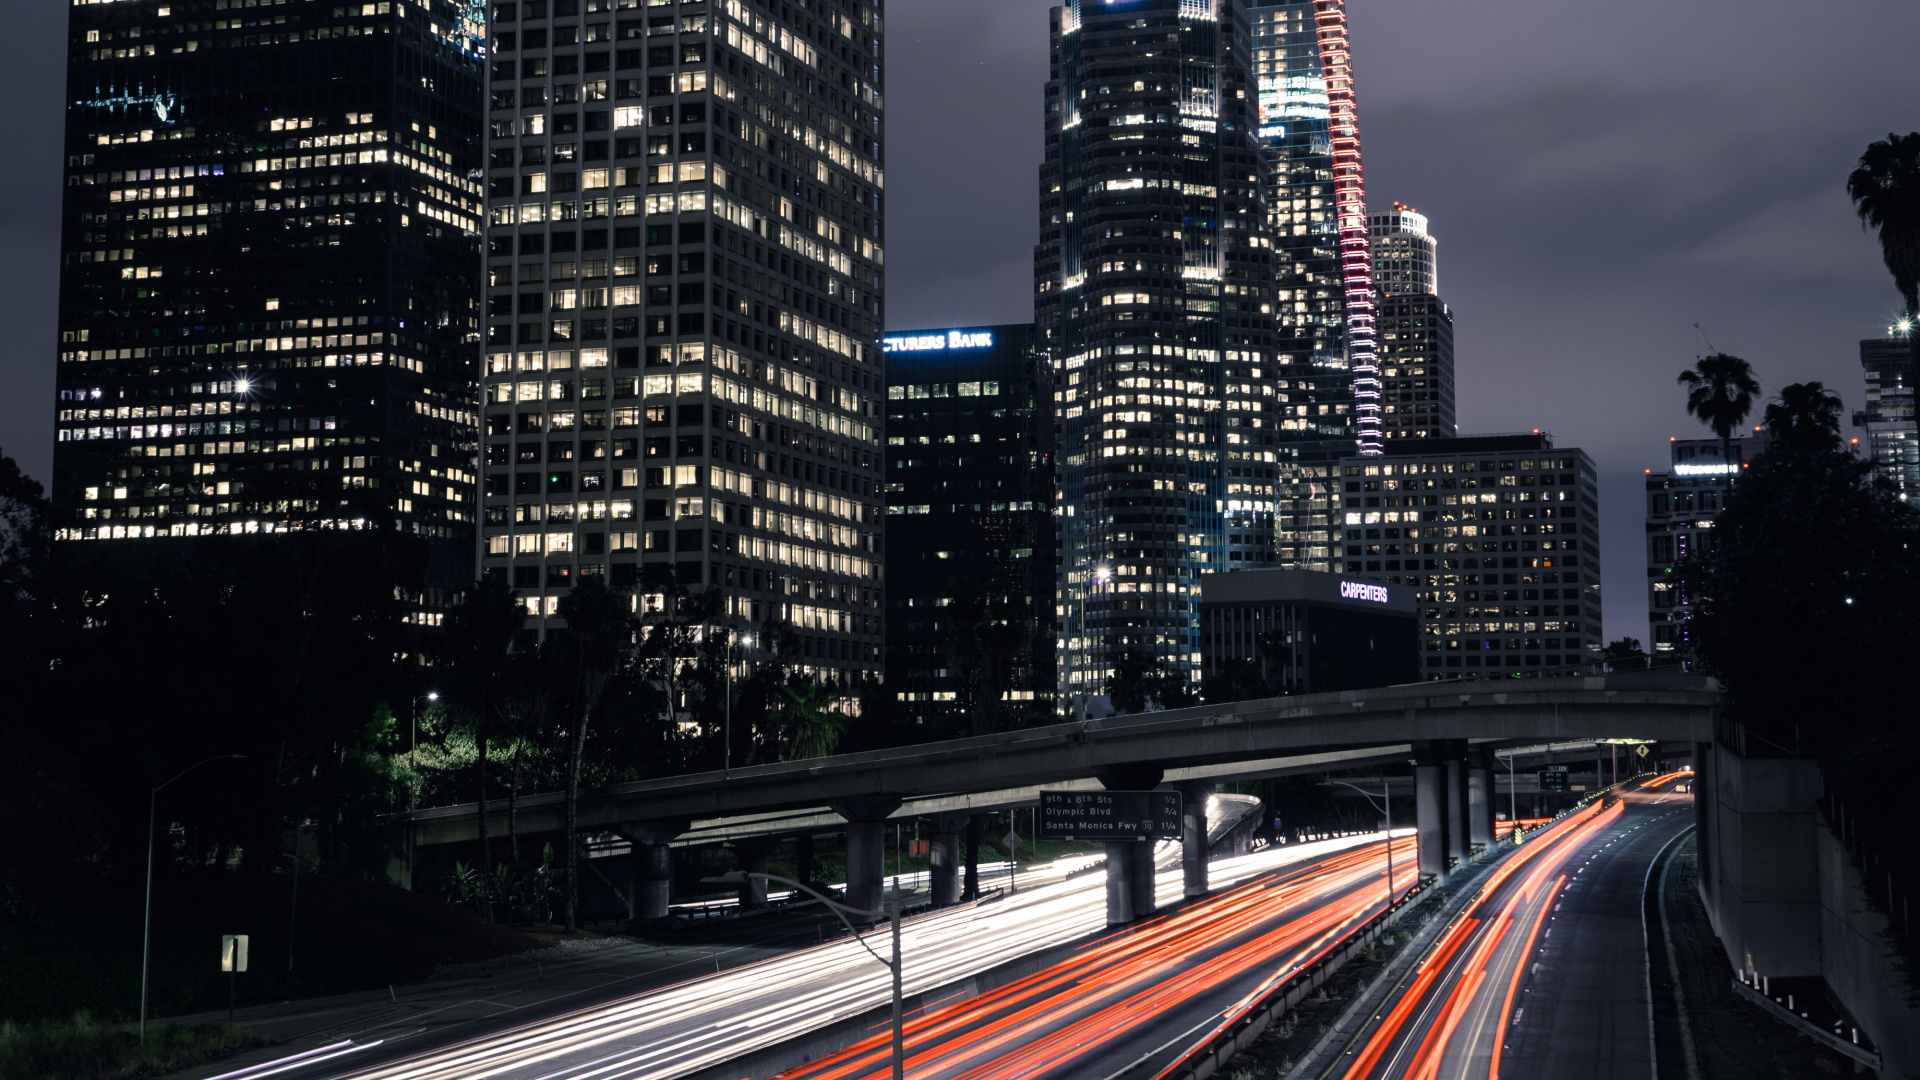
{"x":1153,"y":285}
{"x":1305,"y":632}
{"x":1498,"y":535}
{"x":1328,"y":390}
{"x":1406,"y":257}
{"x":1682,"y":502}
{"x":683,"y":372}
{"x":1414,"y":328}
{"x":970,"y":510}
{"x":1893,"y":443}
{"x":268,"y":284}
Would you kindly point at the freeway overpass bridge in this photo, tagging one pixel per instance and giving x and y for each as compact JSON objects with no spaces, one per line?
{"x":1445,"y":727}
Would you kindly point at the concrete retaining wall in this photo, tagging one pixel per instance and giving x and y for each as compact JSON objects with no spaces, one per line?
{"x":1856,"y":961}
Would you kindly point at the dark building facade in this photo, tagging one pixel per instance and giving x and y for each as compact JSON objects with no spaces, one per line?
{"x":1416,"y":366}
{"x":683,"y":366}
{"x":970,"y":508}
{"x":1498,"y":535}
{"x":1153,"y":285}
{"x":269,"y":280}
{"x":1893,"y":436}
{"x":1682,"y":502}
{"x":1305,"y":632}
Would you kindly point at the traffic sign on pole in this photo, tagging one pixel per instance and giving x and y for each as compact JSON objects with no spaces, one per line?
{"x":1109,"y":815}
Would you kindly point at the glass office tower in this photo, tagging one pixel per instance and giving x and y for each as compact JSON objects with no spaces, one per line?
{"x":683,"y":372}
{"x":1415,"y":328}
{"x":1153,"y":285}
{"x":1308,"y":130}
{"x":970,"y":487}
{"x":268,"y":301}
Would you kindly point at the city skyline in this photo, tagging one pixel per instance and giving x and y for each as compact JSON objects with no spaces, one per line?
{"x":1502,"y":198}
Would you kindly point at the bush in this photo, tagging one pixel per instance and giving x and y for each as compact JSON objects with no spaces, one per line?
{"x":83,"y":1049}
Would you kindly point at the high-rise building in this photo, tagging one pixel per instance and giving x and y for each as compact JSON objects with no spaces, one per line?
{"x":970,"y":511}
{"x":268,"y":294}
{"x":1499,"y":536}
{"x":1415,"y":328}
{"x":1154,"y":302}
{"x":1893,"y":441}
{"x":1406,"y":257}
{"x":1328,"y":390}
{"x":683,"y":371}
{"x":1681,"y":505}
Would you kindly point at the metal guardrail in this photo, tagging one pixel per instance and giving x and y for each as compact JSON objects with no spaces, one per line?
{"x":1818,"y":1034}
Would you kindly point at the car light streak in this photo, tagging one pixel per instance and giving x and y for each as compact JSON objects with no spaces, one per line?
{"x":1123,"y":985}
{"x":701,"y":1022}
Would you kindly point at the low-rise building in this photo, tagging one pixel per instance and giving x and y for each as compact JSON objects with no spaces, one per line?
{"x":1681,"y":505}
{"x":1305,"y":632}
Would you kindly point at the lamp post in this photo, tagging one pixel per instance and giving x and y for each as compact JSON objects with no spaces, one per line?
{"x":736,"y":877}
{"x":1386,"y":786}
{"x":726,"y":727}
{"x":146,"y":921}
{"x":1100,"y":575}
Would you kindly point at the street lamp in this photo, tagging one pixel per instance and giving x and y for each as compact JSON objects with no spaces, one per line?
{"x":1100,"y":575}
{"x":1386,"y":787}
{"x":726,"y":729}
{"x":736,"y":877}
{"x":146,"y":924}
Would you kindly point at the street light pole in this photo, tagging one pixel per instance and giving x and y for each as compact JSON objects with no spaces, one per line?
{"x":1387,"y":789}
{"x":736,"y":877}
{"x":146,"y":921}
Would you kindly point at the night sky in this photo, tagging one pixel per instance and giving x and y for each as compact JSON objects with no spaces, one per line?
{"x":1602,"y":176}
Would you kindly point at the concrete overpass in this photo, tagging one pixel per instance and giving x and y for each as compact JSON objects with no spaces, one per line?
{"x":1437,"y":724}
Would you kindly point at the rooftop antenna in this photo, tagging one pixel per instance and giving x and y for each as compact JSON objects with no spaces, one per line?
{"x":1703,"y":339}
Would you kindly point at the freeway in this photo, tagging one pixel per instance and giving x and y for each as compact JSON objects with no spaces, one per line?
{"x":1544,"y":973}
{"x":1131,"y":1002}
{"x":699,"y":1023}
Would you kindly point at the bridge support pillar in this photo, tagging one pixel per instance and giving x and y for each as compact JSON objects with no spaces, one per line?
{"x":945,"y":858}
{"x":866,"y":847}
{"x":1430,"y":811}
{"x":1454,"y":760}
{"x":1194,"y":797}
{"x":1479,"y":798}
{"x":753,"y":853}
{"x":1129,"y":865}
{"x":970,"y":884}
{"x":652,"y":888}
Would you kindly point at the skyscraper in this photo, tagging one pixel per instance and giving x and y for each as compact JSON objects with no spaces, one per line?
{"x":970,"y":513}
{"x":1328,"y":387}
{"x":1153,"y":285}
{"x":1893,"y":438}
{"x":1415,"y":328}
{"x":268,"y":307}
{"x":1681,"y":505}
{"x":683,"y":372}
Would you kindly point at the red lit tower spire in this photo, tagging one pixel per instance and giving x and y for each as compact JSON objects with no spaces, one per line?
{"x":1356,"y":247}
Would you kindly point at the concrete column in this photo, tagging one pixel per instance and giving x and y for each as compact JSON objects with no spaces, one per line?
{"x":753,"y":854}
{"x":1430,"y":812}
{"x":1194,"y":795}
{"x":652,"y":865}
{"x":970,"y":887}
{"x":945,"y":858}
{"x":866,"y":848}
{"x":1120,"y":860}
{"x":1479,"y":798}
{"x":1453,"y":760}
{"x":1129,"y":875}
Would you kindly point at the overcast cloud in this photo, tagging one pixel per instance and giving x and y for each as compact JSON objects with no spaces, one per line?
{"x":1601,"y":177}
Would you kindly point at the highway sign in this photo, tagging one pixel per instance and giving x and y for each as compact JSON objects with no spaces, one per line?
{"x":1553,"y":779}
{"x":1641,"y":750}
{"x":1109,"y":815}
{"x":233,"y":952}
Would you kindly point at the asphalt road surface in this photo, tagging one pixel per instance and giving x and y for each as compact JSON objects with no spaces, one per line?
{"x":1544,"y":975}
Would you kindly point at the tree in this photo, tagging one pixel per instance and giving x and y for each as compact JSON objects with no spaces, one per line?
{"x":1805,"y":417}
{"x":1885,"y":188}
{"x":1720,"y":391}
{"x":598,"y":629}
{"x":1624,"y":654}
{"x":1140,"y":678}
{"x":810,"y":722}
{"x":478,"y":634}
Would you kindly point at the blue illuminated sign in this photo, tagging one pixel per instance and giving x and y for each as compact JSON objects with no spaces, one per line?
{"x":938,"y":341}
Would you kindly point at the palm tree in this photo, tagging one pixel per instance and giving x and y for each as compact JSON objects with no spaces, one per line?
{"x":809,"y":719}
{"x":599,"y":628}
{"x":1806,"y":416}
{"x":1885,"y":188}
{"x":1720,"y":390}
